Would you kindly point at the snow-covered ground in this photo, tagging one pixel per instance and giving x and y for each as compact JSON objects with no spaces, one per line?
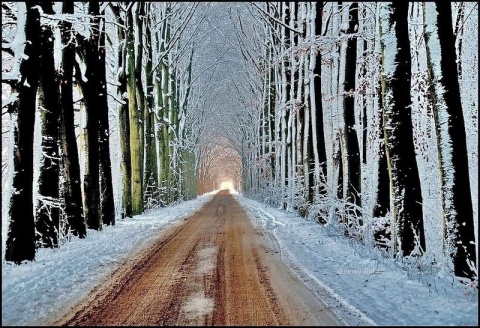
{"x":357,"y":282}
{"x":32,"y":293}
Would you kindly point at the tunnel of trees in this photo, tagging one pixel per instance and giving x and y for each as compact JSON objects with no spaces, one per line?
{"x":359,"y":115}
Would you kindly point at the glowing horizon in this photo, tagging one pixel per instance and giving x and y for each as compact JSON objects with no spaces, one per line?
{"x":226,"y":185}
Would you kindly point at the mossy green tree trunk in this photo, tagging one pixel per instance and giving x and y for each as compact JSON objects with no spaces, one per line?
{"x":135,"y":109}
{"x":151,"y":170}
{"x":123,"y":114}
{"x":88,"y":51}
{"x":165,"y":155}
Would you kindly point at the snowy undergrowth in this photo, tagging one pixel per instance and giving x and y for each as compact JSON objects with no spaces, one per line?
{"x":360,"y":283}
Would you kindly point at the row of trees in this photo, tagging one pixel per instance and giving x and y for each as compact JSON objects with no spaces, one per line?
{"x":74,"y":69}
{"x":355,"y":114}
{"x":155,"y":161}
{"x":219,"y":162}
{"x":337,"y":139}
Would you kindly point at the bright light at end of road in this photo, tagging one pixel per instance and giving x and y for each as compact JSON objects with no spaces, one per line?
{"x":226,"y":185}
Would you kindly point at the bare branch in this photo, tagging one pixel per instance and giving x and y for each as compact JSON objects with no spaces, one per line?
{"x":276,"y":19}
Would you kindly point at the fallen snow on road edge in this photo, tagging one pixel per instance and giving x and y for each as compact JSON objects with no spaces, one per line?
{"x":361,"y":288}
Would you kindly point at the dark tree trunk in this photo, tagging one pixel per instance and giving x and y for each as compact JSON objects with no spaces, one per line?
{"x":405,"y":181}
{"x":311,"y":162}
{"x":125,"y":165}
{"x":88,"y":51}
{"x":20,"y":243}
{"x":105,"y":169}
{"x":365,"y":104}
{"x":458,"y":35}
{"x":338,"y":160}
{"x":452,"y":144}
{"x":317,"y":71}
{"x":272,"y":96}
{"x":271,"y":121}
{"x":382,"y":203}
{"x":70,"y":161}
{"x":48,"y":208}
{"x":353,"y":183}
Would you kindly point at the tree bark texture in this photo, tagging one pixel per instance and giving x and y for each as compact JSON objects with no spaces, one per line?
{"x":20,"y":244}
{"x":403,"y":171}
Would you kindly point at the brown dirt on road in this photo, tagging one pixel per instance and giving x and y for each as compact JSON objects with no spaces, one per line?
{"x":212,"y":269}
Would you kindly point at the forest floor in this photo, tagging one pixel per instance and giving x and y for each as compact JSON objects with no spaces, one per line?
{"x":212,"y":268}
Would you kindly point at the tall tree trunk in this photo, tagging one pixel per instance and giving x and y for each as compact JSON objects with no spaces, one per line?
{"x":353,"y":183}
{"x":138,"y":205}
{"x":321,"y":165}
{"x":71,"y":167}
{"x":308,"y":159}
{"x":165,"y":140}
{"x":299,"y":171}
{"x":271,"y":119}
{"x":88,"y":51}
{"x":339,"y":156}
{"x":159,"y":84}
{"x":365,"y":97}
{"x":403,"y":171}
{"x":173,"y":130}
{"x":105,"y":170}
{"x":166,"y":124}
{"x":307,"y":148}
{"x":382,"y":201}
{"x":337,"y":91}
{"x":458,"y":35}
{"x":48,"y":208}
{"x":151,"y":171}
{"x":188,"y":156}
{"x":135,"y":116}
{"x":298,"y":135}
{"x":459,"y":237}
{"x":293,"y":112}
{"x":283,"y":110}
{"x":123,"y":118}
{"x":20,"y":243}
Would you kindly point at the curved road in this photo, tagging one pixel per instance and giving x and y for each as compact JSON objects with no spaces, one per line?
{"x":213,"y":268}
